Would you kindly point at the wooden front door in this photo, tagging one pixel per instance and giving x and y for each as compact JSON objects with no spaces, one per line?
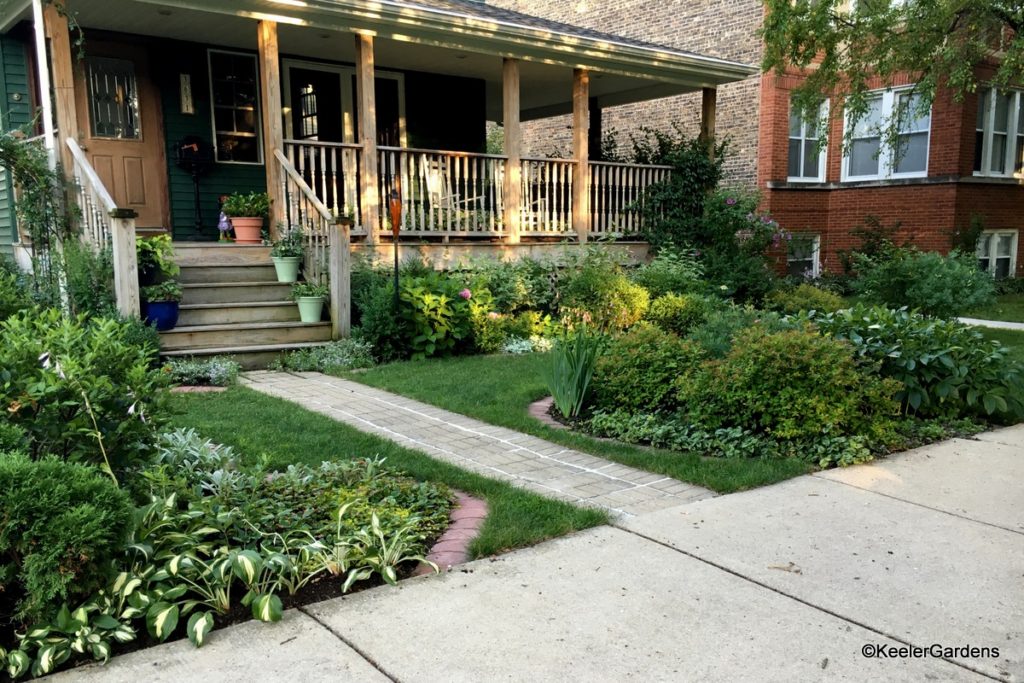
{"x":121,"y":128}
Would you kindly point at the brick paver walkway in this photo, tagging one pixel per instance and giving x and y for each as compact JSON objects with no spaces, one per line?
{"x":523,"y":460}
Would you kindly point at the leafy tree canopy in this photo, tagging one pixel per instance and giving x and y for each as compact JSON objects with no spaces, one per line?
{"x":844,"y":45}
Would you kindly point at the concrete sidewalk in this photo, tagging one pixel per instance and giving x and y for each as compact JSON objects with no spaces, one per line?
{"x":995,"y":324}
{"x":785,"y":583}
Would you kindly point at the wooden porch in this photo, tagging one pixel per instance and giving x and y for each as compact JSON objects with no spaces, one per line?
{"x":338,"y":192}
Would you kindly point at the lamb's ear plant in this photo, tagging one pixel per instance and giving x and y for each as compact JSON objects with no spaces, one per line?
{"x":570,"y":370}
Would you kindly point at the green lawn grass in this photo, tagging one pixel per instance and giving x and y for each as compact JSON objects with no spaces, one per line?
{"x":258,"y":426}
{"x":1008,"y":307}
{"x":1012,"y":339}
{"x":499,"y":389}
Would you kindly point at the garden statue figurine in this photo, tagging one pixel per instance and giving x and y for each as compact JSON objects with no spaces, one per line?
{"x":223,"y":222}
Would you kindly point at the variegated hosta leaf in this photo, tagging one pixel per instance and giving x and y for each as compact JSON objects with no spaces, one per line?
{"x":18,"y":663}
{"x":124,"y":633}
{"x":101,"y":650}
{"x":390,"y":575}
{"x":199,"y":625}
{"x":267,"y":607}
{"x":353,"y":576}
{"x":106,"y":621}
{"x":247,"y":565}
{"x":161,"y":619}
{"x":174,"y":593}
{"x":49,"y":658}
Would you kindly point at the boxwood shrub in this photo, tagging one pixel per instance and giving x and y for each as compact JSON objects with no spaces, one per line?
{"x":791,"y":385}
{"x":637,"y":370}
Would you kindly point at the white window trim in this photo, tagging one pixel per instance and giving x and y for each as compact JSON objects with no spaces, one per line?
{"x":258,"y":108}
{"x":886,"y":160}
{"x":823,"y":112}
{"x":1009,"y":162}
{"x":815,"y":254}
{"x":1013,"y":250}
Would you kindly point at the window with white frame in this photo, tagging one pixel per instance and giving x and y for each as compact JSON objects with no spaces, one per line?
{"x":999,"y":133}
{"x":803,"y":256}
{"x":234,"y":91}
{"x":806,"y":156}
{"x":997,"y":252}
{"x":870,"y":158}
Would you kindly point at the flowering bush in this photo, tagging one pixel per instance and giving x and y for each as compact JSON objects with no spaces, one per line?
{"x":439,"y":314}
{"x":79,"y":389}
{"x":734,"y":240}
{"x":215,"y":372}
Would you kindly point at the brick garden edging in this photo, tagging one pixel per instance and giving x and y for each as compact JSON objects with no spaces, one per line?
{"x":541,"y":411}
{"x":452,"y":548}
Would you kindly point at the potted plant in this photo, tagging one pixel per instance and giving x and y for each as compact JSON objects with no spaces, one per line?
{"x":310,"y":298}
{"x":160,"y":304}
{"x":286,"y":252}
{"x":155,"y":256}
{"x":247,"y":212}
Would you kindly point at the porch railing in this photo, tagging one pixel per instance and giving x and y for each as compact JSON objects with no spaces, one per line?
{"x":617,"y":194}
{"x":460,"y":193}
{"x":102,"y":223}
{"x":331,"y":170}
{"x":325,"y":242}
{"x":444,"y":193}
{"x":547,"y":196}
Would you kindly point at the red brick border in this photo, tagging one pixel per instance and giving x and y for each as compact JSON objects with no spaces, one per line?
{"x":539,"y":410}
{"x":452,"y":548}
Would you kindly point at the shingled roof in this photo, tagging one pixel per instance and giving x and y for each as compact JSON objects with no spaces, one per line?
{"x":481,"y":10}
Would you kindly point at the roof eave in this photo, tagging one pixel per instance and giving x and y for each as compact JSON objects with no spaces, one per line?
{"x":445,"y":29}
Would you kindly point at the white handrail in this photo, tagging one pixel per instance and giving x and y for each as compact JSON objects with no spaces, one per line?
{"x":95,"y":183}
{"x":303,"y":187}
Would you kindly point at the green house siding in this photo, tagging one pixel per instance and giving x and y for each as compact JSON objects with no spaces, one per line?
{"x":219,"y":179}
{"x":15,"y":112}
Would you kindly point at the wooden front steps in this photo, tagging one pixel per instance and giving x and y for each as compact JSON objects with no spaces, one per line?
{"x":232,"y":305}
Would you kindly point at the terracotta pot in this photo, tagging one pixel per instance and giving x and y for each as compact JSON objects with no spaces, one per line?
{"x":247,"y":230}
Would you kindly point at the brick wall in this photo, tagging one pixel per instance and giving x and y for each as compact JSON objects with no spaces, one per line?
{"x":928,"y":210}
{"x":717,"y":28}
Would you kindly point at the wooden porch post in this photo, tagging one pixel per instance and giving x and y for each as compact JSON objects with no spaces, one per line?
{"x":513,"y":181}
{"x":270,"y":101}
{"x":63,"y":80}
{"x":709,"y":97}
{"x":369,"y":192}
{"x":580,"y":153}
{"x":126,"y":279}
{"x":341,"y":279}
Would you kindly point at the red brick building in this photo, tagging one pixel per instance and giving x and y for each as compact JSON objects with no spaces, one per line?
{"x":963,"y":160}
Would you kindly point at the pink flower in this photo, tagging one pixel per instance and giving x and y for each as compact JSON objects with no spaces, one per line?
{"x":466,"y":294}
{"x":730,"y":201}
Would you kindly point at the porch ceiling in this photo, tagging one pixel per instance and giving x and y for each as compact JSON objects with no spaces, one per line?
{"x":413,"y":36}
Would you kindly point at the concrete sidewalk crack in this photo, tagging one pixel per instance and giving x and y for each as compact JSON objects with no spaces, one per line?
{"x":802,"y":601}
{"x":920,"y":505}
{"x":355,"y":648}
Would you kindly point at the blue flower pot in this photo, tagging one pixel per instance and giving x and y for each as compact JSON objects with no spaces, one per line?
{"x":163,"y":314}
